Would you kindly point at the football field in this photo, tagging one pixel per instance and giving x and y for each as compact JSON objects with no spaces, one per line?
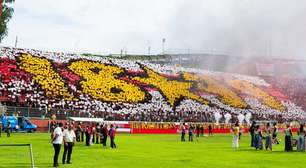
{"x":140,"y":151}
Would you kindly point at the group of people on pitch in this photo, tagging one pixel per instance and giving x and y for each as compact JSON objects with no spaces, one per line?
{"x":63,"y":134}
{"x":191,"y":128}
{"x":269,"y":133}
{"x":96,"y":133}
{"x":67,"y":134}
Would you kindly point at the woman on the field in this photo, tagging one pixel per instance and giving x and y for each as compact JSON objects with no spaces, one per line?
{"x":301,"y":140}
{"x":236,"y":136}
{"x":183,"y":132}
{"x":268,"y":144}
{"x":190,"y":133}
{"x":251,"y":130}
{"x":87,"y":135}
{"x":274,"y":134}
{"x":257,"y":138}
{"x":288,"y":139}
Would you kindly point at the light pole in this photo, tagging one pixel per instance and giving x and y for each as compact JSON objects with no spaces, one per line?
{"x":16,"y":41}
{"x":163,"y":46}
{"x":149,"y":50}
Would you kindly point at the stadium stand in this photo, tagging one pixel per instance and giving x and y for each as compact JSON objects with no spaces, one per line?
{"x":119,"y":89}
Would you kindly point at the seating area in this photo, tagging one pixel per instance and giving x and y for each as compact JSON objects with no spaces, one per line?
{"x":117,"y":89}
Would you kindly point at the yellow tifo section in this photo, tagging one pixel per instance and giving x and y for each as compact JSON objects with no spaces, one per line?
{"x":101,"y":83}
{"x":44,"y":74}
{"x":173,"y":90}
{"x":206,"y":83}
{"x":252,"y":90}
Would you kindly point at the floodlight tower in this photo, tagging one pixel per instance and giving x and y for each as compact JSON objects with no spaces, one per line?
{"x":149,"y":50}
{"x":163,"y":46}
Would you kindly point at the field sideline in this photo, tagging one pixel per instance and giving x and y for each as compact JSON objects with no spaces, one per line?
{"x":153,"y":151}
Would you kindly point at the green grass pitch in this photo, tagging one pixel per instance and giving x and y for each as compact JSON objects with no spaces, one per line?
{"x":154,"y":151}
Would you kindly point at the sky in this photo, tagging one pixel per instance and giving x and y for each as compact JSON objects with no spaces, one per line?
{"x":249,"y":28}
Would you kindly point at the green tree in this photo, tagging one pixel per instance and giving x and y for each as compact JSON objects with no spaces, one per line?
{"x":7,"y":13}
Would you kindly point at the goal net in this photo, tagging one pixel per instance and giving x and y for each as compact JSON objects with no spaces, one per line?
{"x":16,"y":155}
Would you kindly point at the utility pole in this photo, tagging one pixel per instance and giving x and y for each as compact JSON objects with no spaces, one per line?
{"x":163,"y":46}
{"x":149,"y":50}
{"x":16,"y":41}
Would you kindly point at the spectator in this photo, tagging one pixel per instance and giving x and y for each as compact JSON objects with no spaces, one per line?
{"x":198,"y":130}
{"x":112,"y":134}
{"x":288,"y":139}
{"x":104,"y":135}
{"x":183,"y":132}
{"x":87,"y":135}
{"x":268,"y":137}
{"x":69,"y":140}
{"x":301,"y":139}
{"x":78,"y":132}
{"x":202,"y":130}
{"x":236,"y":136}
{"x":8,"y":129}
{"x":210,"y":130}
{"x":252,"y":130}
{"x":190,"y":133}
{"x":57,"y":140}
{"x":257,"y":138}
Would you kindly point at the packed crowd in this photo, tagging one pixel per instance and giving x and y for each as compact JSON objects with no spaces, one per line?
{"x":117,"y":89}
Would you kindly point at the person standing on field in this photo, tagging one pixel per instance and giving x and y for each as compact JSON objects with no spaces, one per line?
{"x":0,"y":127}
{"x":69,"y":140}
{"x":274,"y":134}
{"x":210,"y":130}
{"x":183,"y":131}
{"x":198,"y":130}
{"x":98,"y":130}
{"x":268,"y":137}
{"x":82,"y":131}
{"x":252,"y":131}
{"x":8,"y":129}
{"x":301,"y":139}
{"x":104,"y":135}
{"x":78,"y":132}
{"x":57,"y":140}
{"x":112,"y":134}
{"x":93,"y":133}
{"x":190,"y":133}
{"x":288,"y":139}
{"x":202,"y":130}
{"x":236,"y":136}
{"x":87,"y":135}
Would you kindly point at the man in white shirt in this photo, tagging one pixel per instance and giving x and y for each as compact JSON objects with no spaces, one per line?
{"x":69,"y":140}
{"x":57,"y":140}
